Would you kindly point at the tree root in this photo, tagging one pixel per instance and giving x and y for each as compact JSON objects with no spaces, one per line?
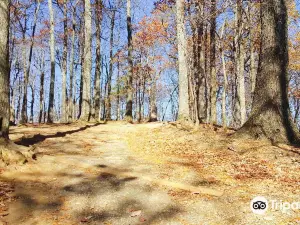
{"x":11,"y":153}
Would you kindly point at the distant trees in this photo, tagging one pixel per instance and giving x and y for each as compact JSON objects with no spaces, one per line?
{"x":270,"y":115}
{"x":187,"y":60}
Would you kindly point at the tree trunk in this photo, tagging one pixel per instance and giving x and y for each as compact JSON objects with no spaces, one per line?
{"x":19,"y":100}
{"x":4,"y":69}
{"x":153,"y":106}
{"x":81,"y":72}
{"x":108,"y":114}
{"x":240,"y":103}
{"x":86,"y":104}
{"x":270,"y":117}
{"x":98,"y":70}
{"x":253,"y":68}
{"x":207,"y":76}
{"x":184,"y":112}
{"x":201,"y":60}
{"x":32,"y":103}
{"x":71,"y":97}
{"x":129,"y":101}
{"x":213,"y":73}
{"x":9,"y":152}
{"x":64,"y":117}
{"x":12,"y":104}
{"x":52,"y":59}
{"x":41,"y":96}
{"x":118,"y":90}
{"x":24,"y":117}
{"x":224,"y":117}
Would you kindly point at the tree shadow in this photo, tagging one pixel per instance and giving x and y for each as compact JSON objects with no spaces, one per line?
{"x":28,"y":141}
{"x":45,"y":201}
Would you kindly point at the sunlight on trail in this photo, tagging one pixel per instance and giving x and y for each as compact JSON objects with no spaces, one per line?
{"x":102,"y":174}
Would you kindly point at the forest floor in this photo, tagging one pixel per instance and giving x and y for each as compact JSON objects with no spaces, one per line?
{"x":154,"y":173}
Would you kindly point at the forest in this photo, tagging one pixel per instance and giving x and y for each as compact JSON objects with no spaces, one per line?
{"x":149,"y":112}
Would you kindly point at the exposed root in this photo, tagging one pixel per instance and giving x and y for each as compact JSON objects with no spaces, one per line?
{"x":11,"y":153}
{"x":183,"y":125}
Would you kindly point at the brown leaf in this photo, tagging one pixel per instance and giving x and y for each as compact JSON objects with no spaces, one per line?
{"x":142,"y":219}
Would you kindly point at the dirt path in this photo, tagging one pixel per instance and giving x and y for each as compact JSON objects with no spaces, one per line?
{"x":89,"y":175}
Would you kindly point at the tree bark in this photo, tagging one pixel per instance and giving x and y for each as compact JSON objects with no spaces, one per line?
{"x":71,"y":102}
{"x":108,"y":114}
{"x":225,"y":84}
{"x":184,"y":112}
{"x":129,"y":88}
{"x":64,"y":117}
{"x":32,"y":102}
{"x":9,"y":152}
{"x":253,"y":67}
{"x":4,"y":69}
{"x":52,"y":59}
{"x":41,"y":96}
{"x":213,"y":73}
{"x":98,"y":71}
{"x":153,"y":106}
{"x":240,"y":109}
{"x":86,"y":104}
{"x":271,"y":117}
{"x":24,"y":117}
{"x":82,"y":70}
{"x":118,"y":89}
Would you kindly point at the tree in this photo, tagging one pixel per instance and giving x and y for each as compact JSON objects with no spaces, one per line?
{"x":129,"y":101}
{"x":87,"y":64}
{"x":213,"y":73}
{"x":4,"y":69}
{"x":64,"y":117}
{"x":270,"y":117}
{"x":8,"y":150}
{"x":71,"y":97}
{"x":111,"y":62}
{"x":97,"y":82}
{"x":52,"y":59}
{"x":225,"y":84}
{"x":182,"y":61}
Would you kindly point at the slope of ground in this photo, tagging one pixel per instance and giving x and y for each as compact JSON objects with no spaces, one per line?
{"x":146,"y":174}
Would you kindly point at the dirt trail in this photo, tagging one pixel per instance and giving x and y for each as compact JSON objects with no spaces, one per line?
{"x":89,"y":175}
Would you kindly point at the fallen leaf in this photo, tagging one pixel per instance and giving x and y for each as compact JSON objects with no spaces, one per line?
{"x":142,"y":219}
{"x":86,"y":219}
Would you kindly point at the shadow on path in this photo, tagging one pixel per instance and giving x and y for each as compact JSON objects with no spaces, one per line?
{"x":28,"y":141}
